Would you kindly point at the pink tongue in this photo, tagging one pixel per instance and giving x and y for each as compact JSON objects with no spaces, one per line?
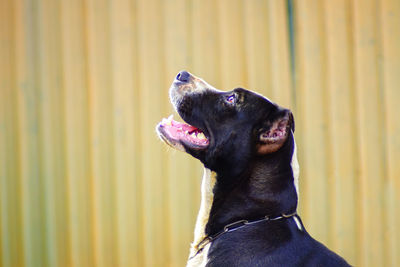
{"x":184,"y":126}
{"x":182,"y":131}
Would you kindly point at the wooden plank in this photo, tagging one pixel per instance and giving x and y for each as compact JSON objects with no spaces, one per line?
{"x":370,"y":136}
{"x":53,"y":138}
{"x":101,"y":133}
{"x":3,"y":177}
{"x":10,"y":194}
{"x":3,"y":208}
{"x":231,"y":45}
{"x":206,"y":42}
{"x":26,"y":59}
{"x":5,"y":253}
{"x":126,"y":120}
{"x":5,"y":52}
{"x":312,"y":117}
{"x":181,"y":180}
{"x":256,"y":29}
{"x":342,"y":138}
{"x":389,"y":19}
{"x":78,"y":165}
{"x":151,"y":62}
{"x":282,"y":90}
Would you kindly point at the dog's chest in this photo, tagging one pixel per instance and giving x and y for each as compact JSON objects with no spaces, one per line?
{"x":200,"y":259}
{"x":207,"y":197}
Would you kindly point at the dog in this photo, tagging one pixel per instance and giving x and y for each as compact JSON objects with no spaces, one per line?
{"x":249,"y":189}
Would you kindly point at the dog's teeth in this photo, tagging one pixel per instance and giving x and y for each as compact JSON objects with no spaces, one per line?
{"x":168,"y":122}
{"x":193,"y":135}
{"x":201,"y":136}
{"x":186,"y":132}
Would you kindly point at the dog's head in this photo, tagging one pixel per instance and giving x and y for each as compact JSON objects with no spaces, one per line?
{"x":224,"y":130}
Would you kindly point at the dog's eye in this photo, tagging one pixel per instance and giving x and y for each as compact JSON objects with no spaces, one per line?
{"x":231,"y":99}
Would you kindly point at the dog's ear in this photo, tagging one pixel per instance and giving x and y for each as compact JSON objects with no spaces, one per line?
{"x":272,"y":137}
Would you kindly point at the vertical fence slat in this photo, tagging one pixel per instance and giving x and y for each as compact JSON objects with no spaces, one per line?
{"x":281,"y":82}
{"x":28,"y":104}
{"x":53,"y":138}
{"x":3,"y":177}
{"x":77,"y":132}
{"x":232,"y":51}
{"x":257,"y":46}
{"x":341,"y":137}
{"x":101,"y":132}
{"x":124,"y":74}
{"x":151,"y":71}
{"x":5,"y":254}
{"x":206,"y":41}
{"x":312,"y":116}
{"x":390,"y":34}
{"x":10,"y":197}
{"x":370,"y":125}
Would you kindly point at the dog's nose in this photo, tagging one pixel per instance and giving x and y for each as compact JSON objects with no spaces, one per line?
{"x":183,"y":76}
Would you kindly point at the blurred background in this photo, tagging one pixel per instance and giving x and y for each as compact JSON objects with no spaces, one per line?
{"x":84,"y":181}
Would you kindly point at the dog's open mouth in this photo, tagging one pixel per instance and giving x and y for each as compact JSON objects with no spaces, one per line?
{"x":177,"y":133}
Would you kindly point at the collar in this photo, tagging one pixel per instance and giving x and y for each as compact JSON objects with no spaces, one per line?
{"x":240,"y":224}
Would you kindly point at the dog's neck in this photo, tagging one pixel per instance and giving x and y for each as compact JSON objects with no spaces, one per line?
{"x":267,"y":187}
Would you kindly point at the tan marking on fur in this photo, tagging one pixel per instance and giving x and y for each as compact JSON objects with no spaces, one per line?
{"x":298,"y":223}
{"x":195,"y":85}
{"x":201,"y":259}
{"x":200,"y":85}
{"x":207,"y":197}
{"x":295,"y":168}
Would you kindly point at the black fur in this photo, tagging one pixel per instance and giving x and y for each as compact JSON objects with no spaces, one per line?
{"x":249,"y":185}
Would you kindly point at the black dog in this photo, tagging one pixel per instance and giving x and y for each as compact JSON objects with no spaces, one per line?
{"x":249,"y":191}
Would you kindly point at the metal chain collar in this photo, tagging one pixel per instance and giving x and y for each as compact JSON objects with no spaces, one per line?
{"x":235,"y":226}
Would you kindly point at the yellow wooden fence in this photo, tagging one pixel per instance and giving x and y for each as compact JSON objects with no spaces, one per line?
{"x":84,"y":180}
